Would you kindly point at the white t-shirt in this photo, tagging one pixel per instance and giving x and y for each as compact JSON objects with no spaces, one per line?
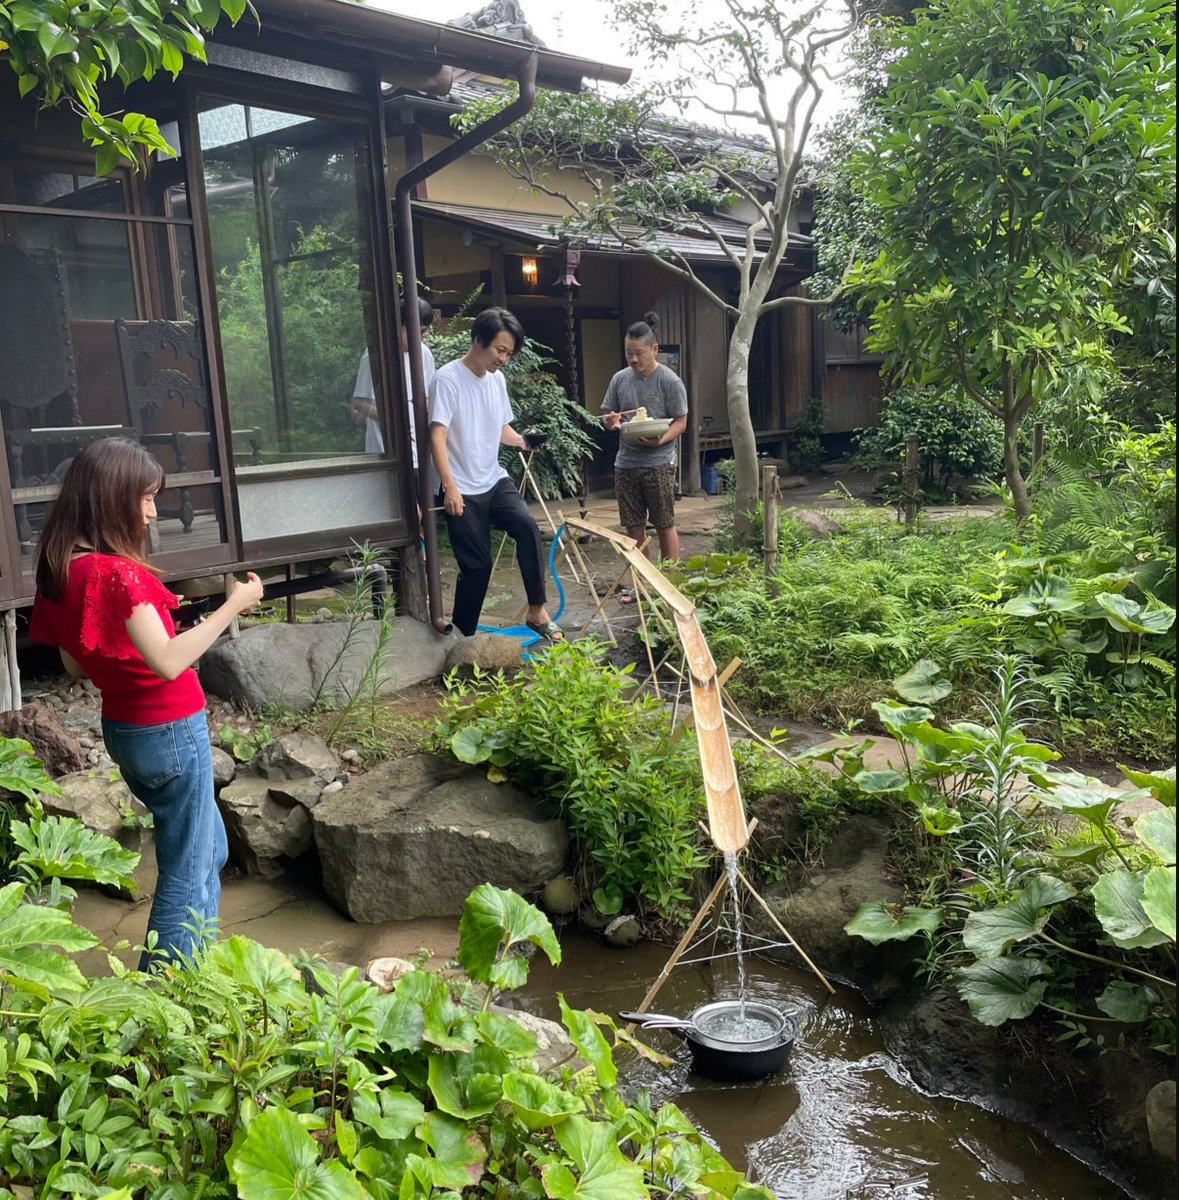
{"x":474,"y":410}
{"x":374,"y":438}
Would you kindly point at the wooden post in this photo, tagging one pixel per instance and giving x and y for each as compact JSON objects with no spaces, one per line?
{"x":769,"y":495}
{"x":1037,"y":442}
{"x":911,"y":481}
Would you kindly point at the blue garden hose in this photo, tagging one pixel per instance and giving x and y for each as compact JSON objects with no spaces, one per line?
{"x":525,"y":636}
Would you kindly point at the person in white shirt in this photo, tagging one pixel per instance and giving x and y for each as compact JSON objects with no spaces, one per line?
{"x":364,"y":400}
{"x":470,"y":418}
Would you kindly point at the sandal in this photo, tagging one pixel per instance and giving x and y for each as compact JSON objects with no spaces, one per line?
{"x":549,"y":630}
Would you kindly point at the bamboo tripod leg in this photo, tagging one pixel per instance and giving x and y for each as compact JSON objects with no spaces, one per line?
{"x":785,"y":932}
{"x":599,"y":602}
{"x":646,"y":636}
{"x":684,"y":943}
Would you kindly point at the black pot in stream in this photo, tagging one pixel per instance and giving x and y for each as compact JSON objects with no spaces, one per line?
{"x":727,"y":1044}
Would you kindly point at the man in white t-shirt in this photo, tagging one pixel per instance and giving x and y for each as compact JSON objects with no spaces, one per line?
{"x":470,"y":418}
{"x":364,"y":400}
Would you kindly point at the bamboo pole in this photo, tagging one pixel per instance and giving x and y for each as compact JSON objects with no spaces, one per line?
{"x":785,"y":932}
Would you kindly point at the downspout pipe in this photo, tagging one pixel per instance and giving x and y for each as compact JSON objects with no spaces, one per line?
{"x":403,"y":197}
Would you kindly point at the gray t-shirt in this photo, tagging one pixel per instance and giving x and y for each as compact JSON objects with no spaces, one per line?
{"x":662,"y":394}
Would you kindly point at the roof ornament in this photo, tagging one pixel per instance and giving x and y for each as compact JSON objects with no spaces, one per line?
{"x":500,"y":18}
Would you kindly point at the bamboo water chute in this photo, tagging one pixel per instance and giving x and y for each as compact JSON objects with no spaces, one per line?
{"x":727,"y":824}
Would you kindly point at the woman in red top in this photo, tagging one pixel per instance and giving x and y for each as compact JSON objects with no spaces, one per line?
{"x":100,"y":602}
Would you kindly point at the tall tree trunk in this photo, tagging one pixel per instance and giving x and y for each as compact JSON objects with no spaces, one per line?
{"x":741,"y":427}
{"x":1011,"y":466}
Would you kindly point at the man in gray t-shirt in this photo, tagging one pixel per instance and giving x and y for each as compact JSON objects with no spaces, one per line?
{"x":644,"y":474}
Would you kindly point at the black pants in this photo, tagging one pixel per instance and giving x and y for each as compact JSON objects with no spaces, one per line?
{"x":502,"y":508}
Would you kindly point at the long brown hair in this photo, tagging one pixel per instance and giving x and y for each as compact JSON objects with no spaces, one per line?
{"x":99,"y":505}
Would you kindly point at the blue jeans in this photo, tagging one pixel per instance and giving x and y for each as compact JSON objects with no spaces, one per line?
{"x":170,"y":768}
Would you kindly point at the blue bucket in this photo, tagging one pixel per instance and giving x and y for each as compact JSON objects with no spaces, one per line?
{"x":708,"y":479}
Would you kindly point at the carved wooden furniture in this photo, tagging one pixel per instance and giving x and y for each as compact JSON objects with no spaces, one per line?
{"x":38,"y":380}
{"x":163,"y":374}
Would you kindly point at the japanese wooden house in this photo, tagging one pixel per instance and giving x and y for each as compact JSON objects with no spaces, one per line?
{"x":217,"y":306}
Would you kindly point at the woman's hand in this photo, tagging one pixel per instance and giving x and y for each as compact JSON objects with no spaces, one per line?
{"x":244,"y":596}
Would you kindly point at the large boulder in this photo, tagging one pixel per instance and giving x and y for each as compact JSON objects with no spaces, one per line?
{"x":415,"y":836}
{"x":266,"y":832}
{"x":103,"y":802}
{"x":854,"y":872}
{"x":42,"y":728}
{"x":487,"y":651}
{"x":296,"y":666}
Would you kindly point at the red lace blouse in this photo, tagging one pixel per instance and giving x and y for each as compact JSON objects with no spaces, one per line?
{"x":89,"y":622}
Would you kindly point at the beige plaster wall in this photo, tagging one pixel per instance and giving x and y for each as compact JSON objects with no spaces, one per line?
{"x":475,"y":179}
{"x":601,"y":356}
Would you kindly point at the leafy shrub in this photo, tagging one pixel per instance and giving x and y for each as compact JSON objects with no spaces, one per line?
{"x":954,"y":437}
{"x":805,"y":443}
{"x":630,"y":792}
{"x":244,"y":1072}
{"x":1007,"y":874}
{"x":850,"y":613}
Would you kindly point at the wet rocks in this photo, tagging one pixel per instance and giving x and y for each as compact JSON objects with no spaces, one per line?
{"x":487,"y":651}
{"x":40,"y":724}
{"x":266,"y":806}
{"x":1160,"y":1119}
{"x":415,"y":836}
{"x":560,"y":897}
{"x":298,"y":665}
{"x":224,"y":767}
{"x":854,"y":873}
{"x":623,"y":931}
{"x":102,"y":802}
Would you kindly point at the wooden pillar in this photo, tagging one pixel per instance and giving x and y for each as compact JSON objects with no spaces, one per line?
{"x":499,"y":287}
{"x":769,"y":496}
{"x":911,"y":481}
{"x":1037,"y":442}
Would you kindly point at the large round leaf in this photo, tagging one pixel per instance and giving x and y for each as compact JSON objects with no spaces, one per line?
{"x":279,"y":1160}
{"x":1129,"y":1002}
{"x":998,"y":990}
{"x":1117,"y":901}
{"x":923,"y":683}
{"x":878,"y":922}
{"x":992,"y":932}
{"x":1158,"y":899}
{"x":600,"y":1170}
{"x":493,"y":921}
{"x":1156,"y":831}
{"x":536,"y":1103}
{"x":1160,"y":784}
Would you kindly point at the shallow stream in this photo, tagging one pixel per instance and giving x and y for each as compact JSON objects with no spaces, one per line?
{"x":842,"y":1121}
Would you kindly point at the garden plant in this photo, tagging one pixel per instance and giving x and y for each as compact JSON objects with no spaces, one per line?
{"x":245,"y":1072}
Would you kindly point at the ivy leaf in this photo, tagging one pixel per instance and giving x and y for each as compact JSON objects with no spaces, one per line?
{"x":992,"y":932}
{"x":1160,"y":784}
{"x":1129,"y":1002}
{"x":998,"y":990}
{"x":920,"y":683}
{"x":1158,"y":899}
{"x":1156,"y":831}
{"x":878,"y":922}
{"x":537,"y":1104}
{"x":493,"y":921}
{"x":603,"y":1171}
{"x":1117,"y":901}
{"x":279,"y":1160}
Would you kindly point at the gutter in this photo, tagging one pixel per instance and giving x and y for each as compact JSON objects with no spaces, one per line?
{"x":403,"y":197}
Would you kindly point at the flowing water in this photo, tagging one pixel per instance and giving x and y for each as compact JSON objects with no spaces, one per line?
{"x":735,"y":897}
{"x":842,"y":1121}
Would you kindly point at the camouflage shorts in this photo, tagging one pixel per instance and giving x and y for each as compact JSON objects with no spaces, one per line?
{"x":646,"y":495}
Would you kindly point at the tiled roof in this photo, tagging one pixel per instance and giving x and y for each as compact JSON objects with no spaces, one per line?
{"x":541,"y":231}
